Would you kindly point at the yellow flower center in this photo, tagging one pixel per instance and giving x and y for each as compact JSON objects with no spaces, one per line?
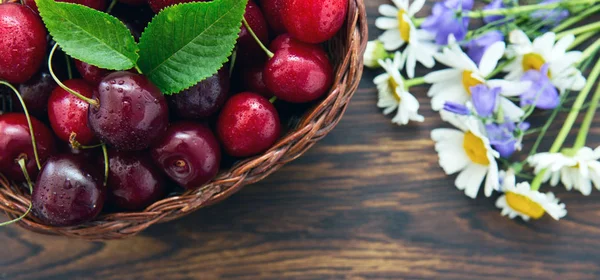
{"x":475,"y":149}
{"x":525,"y":205}
{"x":393,"y":85}
{"x":403,"y":26}
{"x":533,"y":61}
{"x":469,"y":81}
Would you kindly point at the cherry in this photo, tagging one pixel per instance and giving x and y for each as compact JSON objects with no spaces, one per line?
{"x":254,"y":82}
{"x":133,"y":2}
{"x":203,"y":99}
{"x":22,"y":43}
{"x":189,"y":154}
{"x":89,"y":154}
{"x":68,"y":113}
{"x":248,"y":125}
{"x":15,"y":143}
{"x":272,"y":12}
{"x":99,"y":5}
{"x":35,"y":93}
{"x":68,"y":191}
{"x":132,"y":112}
{"x":91,"y":73}
{"x":134,"y":182}
{"x":298,"y":72}
{"x":158,"y":5}
{"x":314,"y":21}
{"x":248,"y":51}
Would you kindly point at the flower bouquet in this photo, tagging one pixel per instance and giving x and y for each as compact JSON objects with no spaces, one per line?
{"x":524,"y":59}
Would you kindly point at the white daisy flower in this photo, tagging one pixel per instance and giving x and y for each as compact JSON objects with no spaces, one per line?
{"x":468,"y":152}
{"x":578,"y":171}
{"x":545,"y":50}
{"x":374,"y":53}
{"x":400,"y":31}
{"x":393,"y":95}
{"x":454,"y":84}
{"x":520,"y":200}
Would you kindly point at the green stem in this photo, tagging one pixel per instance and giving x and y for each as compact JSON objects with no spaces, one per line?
{"x":92,"y":102}
{"x":273,"y":99}
{"x":262,"y":46}
{"x":33,"y":143}
{"x":232,"y":62}
{"x":137,"y":68}
{"x":23,"y":166}
{"x":571,"y":118}
{"x":590,"y":51}
{"x":414,"y":82}
{"x":112,"y":5}
{"x":69,"y":70}
{"x":546,"y":126}
{"x":527,"y":8}
{"x":76,"y":145}
{"x":499,"y":68}
{"x":587,"y":121}
{"x":418,"y":21}
{"x":579,"y":30}
{"x":106,"y":164}
{"x":580,"y":39}
{"x":573,"y":20}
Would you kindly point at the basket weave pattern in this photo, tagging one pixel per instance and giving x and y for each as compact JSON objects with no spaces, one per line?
{"x":346,"y":51}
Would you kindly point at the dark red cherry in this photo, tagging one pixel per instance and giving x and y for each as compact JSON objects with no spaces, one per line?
{"x":68,"y":191}
{"x":99,"y":5}
{"x":133,"y":2}
{"x":203,"y":99}
{"x":298,"y":72}
{"x":314,"y":21}
{"x":248,"y":51}
{"x":132,"y":113}
{"x":22,"y":43}
{"x":91,"y":73}
{"x":35,"y":93}
{"x":252,"y":78}
{"x":158,"y":5}
{"x":189,"y":153}
{"x":272,"y":11}
{"x":15,"y":142}
{"x":134,"y":182}
{"x":248,"y":125}
{"x":69,"y":114}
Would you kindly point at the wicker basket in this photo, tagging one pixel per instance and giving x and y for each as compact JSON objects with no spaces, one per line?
{"x":346,"y":50}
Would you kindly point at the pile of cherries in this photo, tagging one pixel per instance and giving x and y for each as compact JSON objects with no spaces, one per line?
{"x":121,"y":121}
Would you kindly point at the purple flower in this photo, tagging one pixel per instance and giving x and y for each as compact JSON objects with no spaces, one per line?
{"x":456,"y":108}
{"x":542,"y":93}
{"x":444,"y":20}
{"x":495,"y":4}
{"x":550,"y":16}
{"x":484,"y":99}
{"x":502,"y":136}
{"x":478,"y":46}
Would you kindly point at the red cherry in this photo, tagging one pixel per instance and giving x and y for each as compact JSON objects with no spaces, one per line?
{"x":189,"y":153}
{"x":99,"y":5}
{"x":272,"y":11}
{"x":254,"y":82}
{"x":35,"y":93}
{"x":248,"y":125}
{"x":158,"y":5}
{"x":248,"y":51}
{"x":91,"y":73}
{"x":204,"y":99}
{"x":22,"y":43}
{"x":133,"y":181}
{"x":298,"y":72}
{"x":314,"y":21}
{"x":15,"y":141}
{"x":69,"y":114}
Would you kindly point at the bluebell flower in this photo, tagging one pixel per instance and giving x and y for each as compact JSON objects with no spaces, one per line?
{"x":502,"y":137}
{"x":456,"y":108}
{"x":484,"y":99}
{"x":542,"y":93}
{"x":551,"y":16}
{"x":477,"y":47}
{"x":495,"y":4}
{"x":444,"y":20}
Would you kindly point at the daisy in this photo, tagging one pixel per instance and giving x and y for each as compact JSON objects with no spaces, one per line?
{"x":393,"y":95}
{"x":455,"y":84}
{"x":374,"y":53}
{"x":400,"y":31}
{"x":468,"y":152}
{"x":578,"y":171}
{"x":520,"y":200}
{"x":545,"y":50}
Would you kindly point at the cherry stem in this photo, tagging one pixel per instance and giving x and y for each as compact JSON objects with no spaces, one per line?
{"x":21,"y":163}
{"x":273,"y":99}
{"x":33,"y":143}
{"x":91,"y":101}
{"x":76,"y":145}
{"x":232,"y":62}
{"x":111,"y":6}
{"x":137,"y":68}
{"x":106,"y":164}
{"x":69,"y":70}
{"x":262,"y":46}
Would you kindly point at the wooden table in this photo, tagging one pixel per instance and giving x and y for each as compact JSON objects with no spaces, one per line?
{"x":367,"y":202}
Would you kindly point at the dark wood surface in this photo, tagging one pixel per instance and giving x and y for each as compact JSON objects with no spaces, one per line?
{"x":368,"y":202}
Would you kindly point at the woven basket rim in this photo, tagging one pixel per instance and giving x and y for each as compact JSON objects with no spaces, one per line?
{"x":348,"y":46}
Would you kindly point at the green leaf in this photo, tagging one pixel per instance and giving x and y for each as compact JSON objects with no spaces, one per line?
{"x":89,"y":35}
{"x":187,"y":43}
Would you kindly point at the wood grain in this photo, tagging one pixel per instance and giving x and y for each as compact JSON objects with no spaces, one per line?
{"x":368,"y":202}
